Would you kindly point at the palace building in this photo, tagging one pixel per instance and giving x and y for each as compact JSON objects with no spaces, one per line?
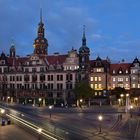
{"x":52,"y":78}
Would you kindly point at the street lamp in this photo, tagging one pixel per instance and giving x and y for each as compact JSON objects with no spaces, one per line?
{"x":136,"y":100}
{"x":39,"y":130}
{"x":40,"y":99}
{"x":8,"y":98}
{"x":100,"y":118}
{"x":81,"y":100}
{"x":2,"y":111}
{"x":131,"y":107}
{"x":50,"y":108}
{"x":119,"y":101}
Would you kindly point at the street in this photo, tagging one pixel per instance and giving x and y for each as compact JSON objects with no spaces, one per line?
{"x":83,"y":124}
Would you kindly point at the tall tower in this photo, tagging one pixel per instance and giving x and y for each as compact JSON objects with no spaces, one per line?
{"x":84,"y":53}
{"x":41,"y":43}
{"x":12,"y":50}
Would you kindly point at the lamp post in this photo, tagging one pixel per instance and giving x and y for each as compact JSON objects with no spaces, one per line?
{"x":39,"y":130}
{"x":81,"y":100}
{"x":100,"y":118}
{"x":136,"y":100}
{"x":50,"y":108}
{"x":131,"y":107}
{"x":8,"y":99}
{"x":40,"y":99}
{"x":122,"y":95}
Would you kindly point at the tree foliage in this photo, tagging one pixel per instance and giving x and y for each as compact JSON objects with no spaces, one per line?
{"x":83,"y":90}
{"x":118,"y":91}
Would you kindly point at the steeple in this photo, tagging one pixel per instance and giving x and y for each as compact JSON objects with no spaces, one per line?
{"x":40,"y":15}
{"x":40,"y":26}
{"x":41,"y":43}
{"x":84,"y":53}
{"x":84,"y":37}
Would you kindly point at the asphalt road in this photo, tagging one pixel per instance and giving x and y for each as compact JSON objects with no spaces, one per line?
{"x":79,"y":124}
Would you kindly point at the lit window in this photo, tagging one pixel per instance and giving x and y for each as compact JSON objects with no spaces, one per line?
{"x":100,"y":93}
{"x":99,"y":78}
{"x":120,"y":79}
{"x":133,"y":78}
{"x":114,"y":79}
{"x":96,"y":94}
{"x":113,"y":85}
{"x":126,"y":79}
{"x":113,"y":71}
{"x":126,"y":85}
{"x":133,"y":85}
{"x":138,"y":85}
{"x":126,"y":71}
{"x":91,"y":85}
{"x":91,"y":78}
{"x":99,"y":70}
{"x":133,"y":71}
{"x":120,"y":71}
{"x":120,"y":85}
{"x":100,"y":86}
{"x":95,"y":78}
{"x":95,"y":86}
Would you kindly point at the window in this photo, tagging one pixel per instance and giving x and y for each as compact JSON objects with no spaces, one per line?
{"x":138,"y":85}
{"x":126,"y":79}
{"x":95,"y":78}
{"x":50,"y":85}
{"x":42,"y":69}
{"x":100,"y":86}
{"x":133,"y":85}
{"x":59,"y":77}
{"x":91,"y":78}
{"x":120,"y":79}
{"x":26,"y":70}
{"x":126,"y":71}
{"x":95,"y":86}
{"x":96,"y":94}
{"x":99,"y":78}
{"x":99,"y":70}
{"x":100,"y":93}
{"x":113,"y":71}
{"x":33,"y":69}
{"x":133,"y":71}
{"x":113,"y":85}
{"x":50,"y":77}
{"x":59,"y":86}
{"x":126,"y":85}
{"x":69,"y":77}
{"x":133,"y":78}
{"x":91,"y":85}
{"x":120,"y":72}
{"x":114,"y":79}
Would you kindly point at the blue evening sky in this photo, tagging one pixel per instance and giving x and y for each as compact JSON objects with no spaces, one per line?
{"x":112,"y":26}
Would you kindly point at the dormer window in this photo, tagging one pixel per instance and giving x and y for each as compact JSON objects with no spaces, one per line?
{"x":120,"y":72}
{"x":3,"y":62}
{"x":99,"y":70}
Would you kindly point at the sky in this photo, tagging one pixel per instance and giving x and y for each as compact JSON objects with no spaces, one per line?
{"x":112,"y":26}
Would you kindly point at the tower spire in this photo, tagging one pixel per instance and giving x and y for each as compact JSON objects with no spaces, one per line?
{"x":84,"y":36}
{"x":40,"y":15}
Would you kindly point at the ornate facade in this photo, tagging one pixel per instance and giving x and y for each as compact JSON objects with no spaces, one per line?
{"x":51,"y":78}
